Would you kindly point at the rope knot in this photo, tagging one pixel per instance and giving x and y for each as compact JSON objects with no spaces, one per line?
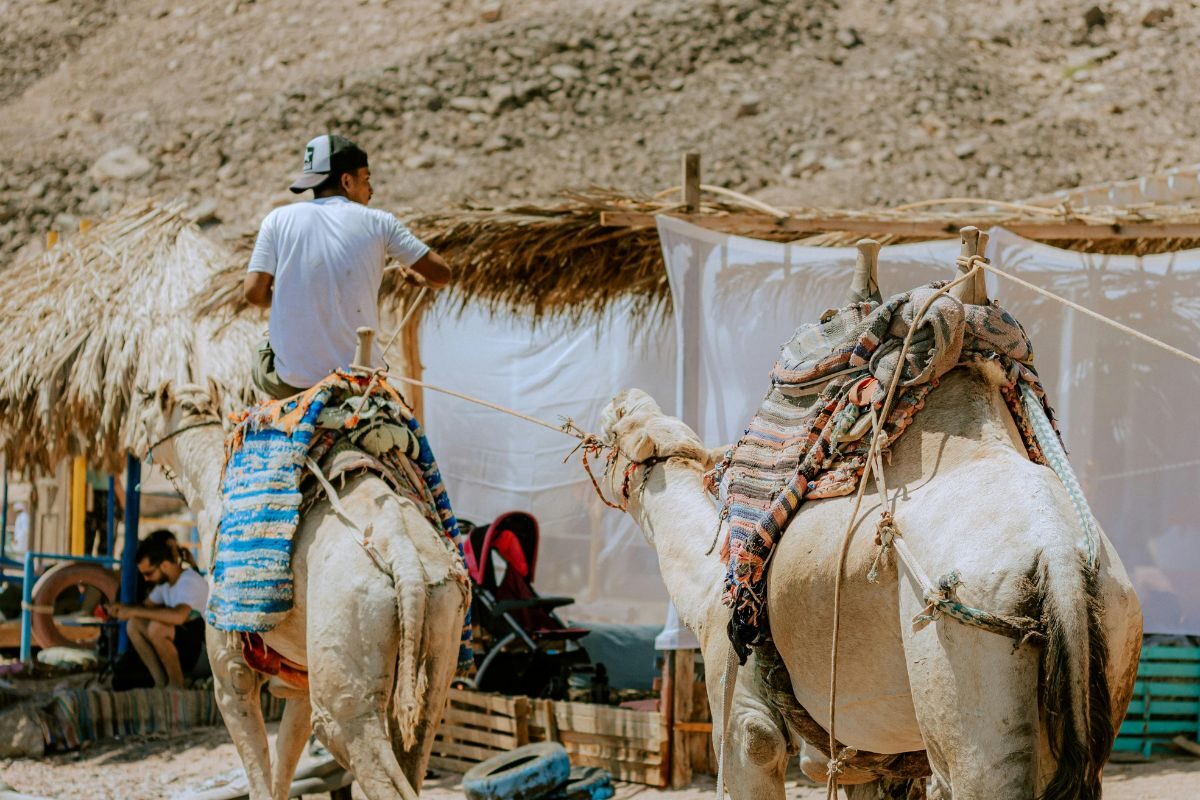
{"x":885,"y":532}
{"x":936,"y":599}
{"x":837,"y":766}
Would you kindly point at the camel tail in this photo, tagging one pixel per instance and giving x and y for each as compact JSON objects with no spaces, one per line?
{"x":1076,"y":704}
{"x":408,"y":577}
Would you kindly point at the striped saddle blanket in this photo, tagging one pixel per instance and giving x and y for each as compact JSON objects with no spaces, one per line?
{"x":810,"y":438}
{"x":267,"y":485}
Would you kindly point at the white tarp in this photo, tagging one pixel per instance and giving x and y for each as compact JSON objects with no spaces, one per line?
{"x":494,"y":463}
{"x":1126,"y":408}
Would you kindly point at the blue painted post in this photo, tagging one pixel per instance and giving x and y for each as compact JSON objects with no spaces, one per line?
{"x":111,"y":529}
{"x":133,"y":480}
{"x":26,"y":613}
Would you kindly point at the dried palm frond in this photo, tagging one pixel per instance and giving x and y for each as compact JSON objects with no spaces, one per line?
{"x":99,"y":320}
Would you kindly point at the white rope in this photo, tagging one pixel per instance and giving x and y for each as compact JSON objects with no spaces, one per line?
{"x":1093,"y":314}
{"x":413,"y":306}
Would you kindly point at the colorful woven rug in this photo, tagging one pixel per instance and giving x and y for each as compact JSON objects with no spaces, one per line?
{"x":810,"y":438}
{"x":262,"y":495}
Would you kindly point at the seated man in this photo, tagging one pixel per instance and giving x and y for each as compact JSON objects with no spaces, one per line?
{"x":167,"y":631}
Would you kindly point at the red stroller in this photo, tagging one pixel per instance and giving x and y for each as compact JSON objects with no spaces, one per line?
{"x":527,"y":649}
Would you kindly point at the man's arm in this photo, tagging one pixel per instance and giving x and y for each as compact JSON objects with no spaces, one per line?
{"x":433,"y":268}
{"x":172,"y":616}
{"x":257,"y":288}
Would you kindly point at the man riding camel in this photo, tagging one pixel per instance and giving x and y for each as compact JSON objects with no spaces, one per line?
{"x":318,"y":266}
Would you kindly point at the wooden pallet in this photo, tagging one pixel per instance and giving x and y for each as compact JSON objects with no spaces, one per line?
{"x":633,"y":745}
{"x":478,"y":726}
{"x":1166,"y":700}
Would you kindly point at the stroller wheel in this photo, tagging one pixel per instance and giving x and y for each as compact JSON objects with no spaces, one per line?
{"x":525,"y":773}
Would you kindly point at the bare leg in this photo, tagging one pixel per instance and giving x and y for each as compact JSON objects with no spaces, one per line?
{"x":293,"y":733}
{"x":139,"y":638}
{"x":162,"y":639}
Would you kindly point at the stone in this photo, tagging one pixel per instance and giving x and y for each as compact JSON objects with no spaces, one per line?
{"x":21,"y":733}
{"x":566,"y":72}
{"x":748,"y":105}
{"x":849,"y":38}
{"x":466,"y":103}
{"x":422,"y":160}
{"x":1157,"y":16}
{"x":121,"y":164}
{"x":1095,"y":17}
{"x":497,"y":144}
{"x":491,"y":12}
{"x":36,"y":190}
{"x":966,"y":149}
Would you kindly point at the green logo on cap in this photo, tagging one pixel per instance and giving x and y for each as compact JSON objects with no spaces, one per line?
{"x":308,"y":157}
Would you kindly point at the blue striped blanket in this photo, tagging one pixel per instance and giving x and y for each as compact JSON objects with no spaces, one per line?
{"x":261,"y":499}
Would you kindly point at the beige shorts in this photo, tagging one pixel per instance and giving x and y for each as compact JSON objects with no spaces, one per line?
{"x":265,"y":376}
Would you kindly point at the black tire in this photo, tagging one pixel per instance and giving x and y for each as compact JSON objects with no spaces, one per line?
{"x":527,"y":773}
{"x":585,"y":783}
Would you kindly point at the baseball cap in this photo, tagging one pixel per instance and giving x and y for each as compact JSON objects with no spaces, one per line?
{"x":326,"y":154}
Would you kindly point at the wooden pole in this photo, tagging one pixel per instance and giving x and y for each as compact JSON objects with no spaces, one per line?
{"x":691,"y":182}
{"x":410,"y":344}
{"x":78,"y":504}
{"x":666,"y":710}
{"x":865,"y":284}
{"x":681,"y":714}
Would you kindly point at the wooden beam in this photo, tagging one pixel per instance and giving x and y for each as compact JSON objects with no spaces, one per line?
{"x":763,"y":225}
{"x":691,"y":182}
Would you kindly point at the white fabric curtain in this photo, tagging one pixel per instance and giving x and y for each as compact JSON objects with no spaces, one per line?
{"x":494,"y":463}
{"x":1126,"y":408}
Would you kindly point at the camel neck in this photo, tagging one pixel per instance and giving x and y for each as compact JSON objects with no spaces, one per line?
{"x":680,"y":522}
{"x":196,"y":458}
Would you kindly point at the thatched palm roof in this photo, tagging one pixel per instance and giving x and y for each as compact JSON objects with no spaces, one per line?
{"x":577,"y":255}
{"x":96,"y":321}
{"x":145,"y":297}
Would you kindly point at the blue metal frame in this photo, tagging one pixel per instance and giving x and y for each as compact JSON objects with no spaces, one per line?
{"x":27,"y":592}
{"x":133,"y":510}
{"x":111,"y":523}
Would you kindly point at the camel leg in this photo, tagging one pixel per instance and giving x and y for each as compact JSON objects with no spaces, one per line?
{"x":443,"y":612}
{"x":237,"y":691}
{"x":352,"y":652}
{"x":976,"y":702}
{"x":290,"y":741}
{"x":757,"y":749}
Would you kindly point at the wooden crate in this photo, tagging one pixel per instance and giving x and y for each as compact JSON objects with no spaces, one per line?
{"x":477,"y":726}
{"x":1166,"y":700}
{"x":633,"y":745}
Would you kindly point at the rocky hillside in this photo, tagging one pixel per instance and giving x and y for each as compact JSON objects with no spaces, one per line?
{"x":836,"y":102}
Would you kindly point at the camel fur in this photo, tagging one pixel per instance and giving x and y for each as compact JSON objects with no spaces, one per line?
{"x":380,"y":645}
{"x":996,"y":721}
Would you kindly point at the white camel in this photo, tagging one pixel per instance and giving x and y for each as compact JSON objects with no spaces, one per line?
{"x":380,"y":643}
{"x":996,"y":721}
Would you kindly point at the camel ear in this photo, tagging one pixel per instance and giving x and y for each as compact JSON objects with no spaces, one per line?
{"x":214,"y":393}
{"x":633,"y":439}
{"x":164,"y":398}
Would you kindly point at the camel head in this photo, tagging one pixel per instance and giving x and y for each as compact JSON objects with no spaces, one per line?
{"x":172,"y":408}
{"x":634,"y":425}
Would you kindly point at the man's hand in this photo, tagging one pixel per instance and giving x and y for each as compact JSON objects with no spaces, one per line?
{"x":118,"y":611}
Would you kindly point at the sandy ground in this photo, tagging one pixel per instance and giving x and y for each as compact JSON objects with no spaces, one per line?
{"x":158,"y":767}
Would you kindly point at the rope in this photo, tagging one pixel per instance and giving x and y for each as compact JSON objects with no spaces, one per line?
{"x":1052,"y":212}
{"x":836,"y":758}
{"x":413,"y":306}
{"x":568,"y":426}
{"x":1093,"y":314}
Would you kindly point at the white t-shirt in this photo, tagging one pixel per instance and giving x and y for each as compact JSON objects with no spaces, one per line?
{"x":189,"y":590}
{"x":327,"y":256}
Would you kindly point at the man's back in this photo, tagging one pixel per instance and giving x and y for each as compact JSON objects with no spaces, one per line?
{"x":327,"y":257}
